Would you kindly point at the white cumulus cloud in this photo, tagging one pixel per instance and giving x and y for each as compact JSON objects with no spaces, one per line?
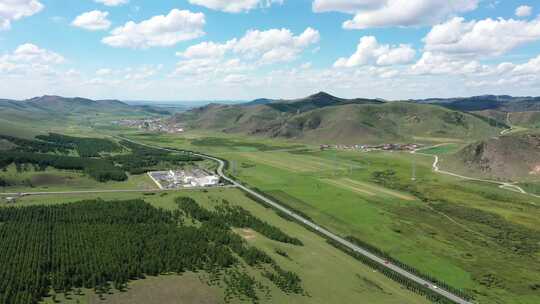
{"x":434,"y":63}
{"x":236,"y":79}
{"x":270,"y":46}
{"x":370,"y":52}
{"x":11,"y":10}
{"x":210,"y":67}
{"x":112,"y":2}
{"x":530,"y":67}
{"x":158,"y":31}
{"x":488,"y":37}
{"x":207,"y":50}
{"x":234,"y":6}
{"x":345,"y":6}
{"x":104,"y":72}
{"x":275,"y":45}
{"x":93,"y":21}
{"x":32,"y":53}
{"x":28,"y":58}
{"x":225,"y":62}
{"x":387,"y":13}
{"x":524,"y":11}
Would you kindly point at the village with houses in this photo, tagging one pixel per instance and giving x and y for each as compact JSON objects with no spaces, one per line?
{"x":368,"y":148}
{"x":151,"y":125}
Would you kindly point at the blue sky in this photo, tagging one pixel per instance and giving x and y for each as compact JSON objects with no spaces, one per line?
{"x":244,"y":49}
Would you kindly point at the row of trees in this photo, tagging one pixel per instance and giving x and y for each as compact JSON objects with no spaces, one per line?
{"x":402,"y":280}
{"x":85,"y":147}
{"x":221,"y":218}
{"x":51,"y":150}
{"x":63,"y":144}
{"x":382,"y":254}
{"x":35,"y":146}
{"x":103,"y":245}
{"x":235,"y":216}
{"x":143,"y":159}
{"x":100,"y":169}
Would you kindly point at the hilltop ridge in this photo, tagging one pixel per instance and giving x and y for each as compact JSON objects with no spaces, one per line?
{"x":322,"y":117}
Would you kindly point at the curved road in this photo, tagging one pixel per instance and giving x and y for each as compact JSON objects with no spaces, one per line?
{"x":321,"y":230}
{"x":503,"y":185}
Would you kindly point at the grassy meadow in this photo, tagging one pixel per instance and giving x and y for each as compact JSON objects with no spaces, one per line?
{"x":328,"y":275}
{"x":472,"y":235}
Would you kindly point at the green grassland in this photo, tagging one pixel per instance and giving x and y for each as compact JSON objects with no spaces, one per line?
{"x":442,"y":149}
{"x":212,"y":142}
{"x":13,"y":128}
{"x":472,"y":235}
{"x":328,"y":275}
{"x":168,"y":289}
{"x":30,"y":180}
{"x":532,"y":187}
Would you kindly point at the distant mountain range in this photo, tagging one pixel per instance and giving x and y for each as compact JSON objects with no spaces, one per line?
{"x":317,"y":118}
{"x":324,"y":118}
{"x":502,"y":103}
{"x":35,"y":115}
{"x":54,"y":106}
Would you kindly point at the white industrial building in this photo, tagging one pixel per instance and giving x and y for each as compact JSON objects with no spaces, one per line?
{"x":192,"y":178}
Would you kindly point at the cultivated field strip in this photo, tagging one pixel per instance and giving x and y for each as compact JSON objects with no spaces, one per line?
{"x":340,"y":183}
{"x":293,"y":163}
{"x":379,"y":189}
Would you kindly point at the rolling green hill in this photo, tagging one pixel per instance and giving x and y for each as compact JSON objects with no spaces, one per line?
{"x":56,"y":108}
{"x":27,"y":118}
{"x":322,"y":118}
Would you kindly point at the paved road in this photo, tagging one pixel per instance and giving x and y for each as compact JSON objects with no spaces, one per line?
{"x":323,"y":231}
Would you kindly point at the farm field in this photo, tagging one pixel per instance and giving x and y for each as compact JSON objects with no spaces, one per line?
{"x":345,"y":279}
{"x":453,"y":221}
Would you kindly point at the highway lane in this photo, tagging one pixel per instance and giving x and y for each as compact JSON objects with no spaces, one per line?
{"x":320,"y":229}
